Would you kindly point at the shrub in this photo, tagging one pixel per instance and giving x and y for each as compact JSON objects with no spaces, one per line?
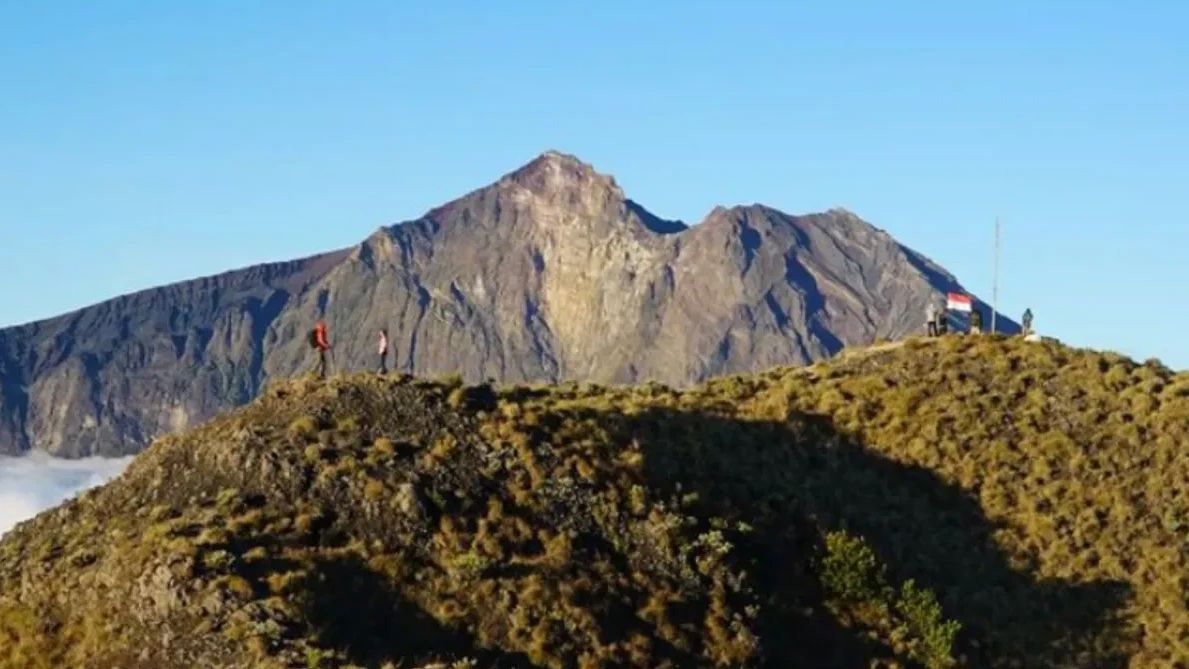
{"x":303,"y":427}
{"x":237,"y":585}
{"x":384,"y":446}
{"x":850,"y":570}
{"x":373,"y":489}
{"x":469,"y":563}
{"x":227,"y":498}
{"x":256,"y":553}
{"x":923,"y":622}
{"x":457,"y":397}
{"x":218,"y":560}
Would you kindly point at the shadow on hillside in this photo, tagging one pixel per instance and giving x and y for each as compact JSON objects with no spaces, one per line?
{"x":354,"y":609}
{"x":781,"y":476}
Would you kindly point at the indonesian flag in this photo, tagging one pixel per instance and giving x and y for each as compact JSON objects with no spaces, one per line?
{"x":959,"y":302}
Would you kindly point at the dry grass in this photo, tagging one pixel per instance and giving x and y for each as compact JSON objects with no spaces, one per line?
{"x":963,"y":502}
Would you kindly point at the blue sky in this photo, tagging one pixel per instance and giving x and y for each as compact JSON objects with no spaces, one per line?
{"x":148,"y":142}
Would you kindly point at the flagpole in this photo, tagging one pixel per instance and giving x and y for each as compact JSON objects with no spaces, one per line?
{"x":995,"y":288}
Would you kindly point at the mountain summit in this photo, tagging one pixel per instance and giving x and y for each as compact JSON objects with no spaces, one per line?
{"x":551,"y":273}
{"x":553,"y":172}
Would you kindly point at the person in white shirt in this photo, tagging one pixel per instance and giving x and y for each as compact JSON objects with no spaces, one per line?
{"x":383,"y":351}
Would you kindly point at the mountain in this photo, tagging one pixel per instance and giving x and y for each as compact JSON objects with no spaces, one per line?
{"x":549,"y":274}
{"x":974,"y":502}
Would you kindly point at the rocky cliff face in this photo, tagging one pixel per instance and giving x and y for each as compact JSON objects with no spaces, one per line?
{"x":549,"y":274}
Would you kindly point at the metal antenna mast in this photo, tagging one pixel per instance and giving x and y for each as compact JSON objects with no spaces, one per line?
{"x":995,"y":287}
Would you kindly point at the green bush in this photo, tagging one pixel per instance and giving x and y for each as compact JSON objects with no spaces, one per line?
{"x":850,"y":571}
{"x":922,"y":620}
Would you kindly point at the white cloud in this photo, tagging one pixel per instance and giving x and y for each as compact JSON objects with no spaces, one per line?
{"x":32,"y":483}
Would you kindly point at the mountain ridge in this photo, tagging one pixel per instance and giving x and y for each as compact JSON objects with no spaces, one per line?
{"x":961,"y":501}
{"x":549,"y":273}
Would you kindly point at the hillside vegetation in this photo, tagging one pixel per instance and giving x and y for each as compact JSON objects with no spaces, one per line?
{"x":976,"y":502}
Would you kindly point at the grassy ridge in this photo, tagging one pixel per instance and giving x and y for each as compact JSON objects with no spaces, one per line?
{"x":957,"y":502}
{"x":1078,"y":463}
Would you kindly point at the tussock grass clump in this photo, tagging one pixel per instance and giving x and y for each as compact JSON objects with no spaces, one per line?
{"x":975,"y":502}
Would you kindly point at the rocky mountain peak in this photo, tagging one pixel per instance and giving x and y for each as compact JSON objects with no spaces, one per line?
{"x":550,"y":273}
{"x":554,"y":173}
{"x":554,"y":160}
{"x":742,"y":212}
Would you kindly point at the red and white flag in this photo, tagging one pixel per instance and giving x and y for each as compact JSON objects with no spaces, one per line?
{"x":959,"y":302}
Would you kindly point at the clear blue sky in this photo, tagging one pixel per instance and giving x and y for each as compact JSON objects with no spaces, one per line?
{"x":148,"y":142}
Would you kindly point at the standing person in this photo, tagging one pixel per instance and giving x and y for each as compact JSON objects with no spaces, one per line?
{"x":943,"y":321}
{"x":931,"y":319}
{"x":976,"y":321}
{"x":320,"y":339}
{"x":1027,"y":321}
{"x":383,"y":351}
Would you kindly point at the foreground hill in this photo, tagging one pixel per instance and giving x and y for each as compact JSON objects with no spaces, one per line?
{"x":960,"y":502}
{"x":551,"y":273}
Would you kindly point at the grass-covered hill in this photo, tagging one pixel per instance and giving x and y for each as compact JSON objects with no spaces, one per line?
{"x":960,"y":502}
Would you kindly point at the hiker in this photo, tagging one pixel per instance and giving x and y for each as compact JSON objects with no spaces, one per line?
{"x":1027,"y":321}
{"x":383,"y":351}
{"x":976,"y":321}
{"x":320,"y":341}
{"x":943,"y":321}
{"x":931,"y":319}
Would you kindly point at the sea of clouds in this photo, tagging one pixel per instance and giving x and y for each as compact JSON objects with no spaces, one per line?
{"x":32,"y":483}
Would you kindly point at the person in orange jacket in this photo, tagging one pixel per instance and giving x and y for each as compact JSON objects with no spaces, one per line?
{"x":320,"y":339}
